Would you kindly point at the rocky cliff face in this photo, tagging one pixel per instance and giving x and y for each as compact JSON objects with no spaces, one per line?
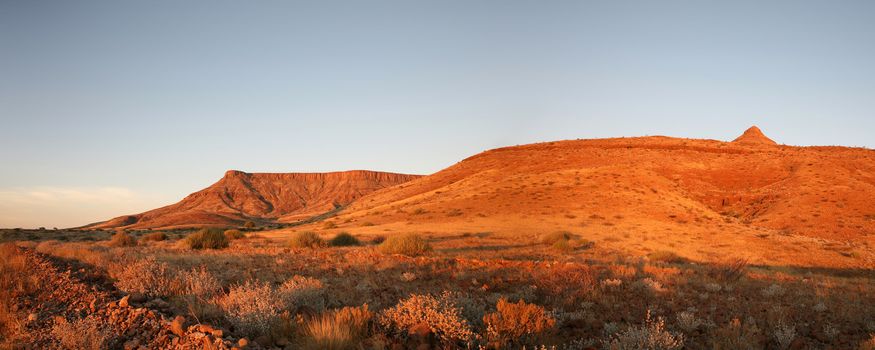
{"x":262,"y":197}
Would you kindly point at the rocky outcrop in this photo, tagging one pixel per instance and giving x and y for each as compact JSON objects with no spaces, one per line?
{"x":262,"y":197}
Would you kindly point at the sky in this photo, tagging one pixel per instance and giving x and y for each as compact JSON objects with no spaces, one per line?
{"x":115,"y":107}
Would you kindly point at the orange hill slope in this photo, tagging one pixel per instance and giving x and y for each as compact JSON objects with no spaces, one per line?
{"x":262,"y":197}
{"x":657,"y":192}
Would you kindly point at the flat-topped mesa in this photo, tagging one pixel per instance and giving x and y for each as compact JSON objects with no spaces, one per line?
{"x":754,"y":135}
{"x":268,"y":197}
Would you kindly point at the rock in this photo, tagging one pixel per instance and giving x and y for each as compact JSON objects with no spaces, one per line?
{"x":132,"y":344}
{"x":282,"y":342}
{"x":124,"y":301}
{"x":263,"y":340}
{"x":178,"y":326}
{"x":32,"y":317}
{"x":137,"y":297}
{"x":210,"y":330}
{"x":243,"y":342}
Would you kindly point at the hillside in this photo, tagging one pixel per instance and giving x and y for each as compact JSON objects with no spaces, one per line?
{"x":701,"y":198}
{"x":262,"y":197}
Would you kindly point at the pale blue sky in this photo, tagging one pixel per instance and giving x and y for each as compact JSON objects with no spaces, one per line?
{"x":115,"y":106}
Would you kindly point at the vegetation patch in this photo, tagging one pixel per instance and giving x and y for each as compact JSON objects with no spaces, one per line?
{"x":666,"y":257}
{"x":154,"y":237}
{"x":409,"y":244}
{"x":344,"y":239}
{"x":234,"y":234}
{"x":207,"y":238}
{"x":122,"y":239}
{"x":306,"y":239}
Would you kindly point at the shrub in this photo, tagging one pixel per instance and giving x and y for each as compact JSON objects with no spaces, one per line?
{"x":154,"y":237}
{"x":563,"y":247}
{"x":252,"y":308}
{"x":249,"y":224}
{"x":666,"y":257}
{"x":651,"y":335}
{"x":200,"y":283}
{"x":307,"y":239}
{"x":552,"y":238}
{"x":730,"y":272}
{"x":329,"y":225}
{"x":207,"y":238}
{"x":300,"y":291}
{"x":338,"y":329}
{"x":516,"y":322}
{"x":738,"y":335}
{"x":344,"y":239}
{"x":122,"y":239}
{"x":407,"y":244}
{"x":440,"y":314}
{"x":234,"y":234}
{"x":85,"y":334}
{"x":146,"y":276}
{"x":784,"y":335}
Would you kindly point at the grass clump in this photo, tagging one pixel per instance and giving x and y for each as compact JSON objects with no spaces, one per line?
{"x":516,"y":323}
{"x":409,"y":244}
{"x":337,"y":330}
{"x":122,"y":239}
{"x":154,"y":237}
{"x":207,"y":238}
{"x":329,"y":225}
{"x":234,"y":234}
{"x":344,"y":239}
{"x":306,"y":239}
{"x":666,"y":257}
{"x":552,"y":238}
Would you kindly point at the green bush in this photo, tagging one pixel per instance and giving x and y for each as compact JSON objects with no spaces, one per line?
{"x":409,"y":244}
{"x":343,"y":239}
{"x":234,"y":234}
{"x":122,"y":239}
{"x":306,"y":239}
{"x":207,"y":238}
{"x":154,"y":236}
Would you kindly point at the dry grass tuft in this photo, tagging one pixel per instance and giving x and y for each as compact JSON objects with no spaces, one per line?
{"x":306,"y":239}
{"x":234,"y":234}
{"x":337,"y":330}
{"x":409,"y":244}
{"x":154,"y":237}
{"x":207,"y":238}
{"x":518,"y":323}
{"x":122,"y":239}
{"x":666,"y":257}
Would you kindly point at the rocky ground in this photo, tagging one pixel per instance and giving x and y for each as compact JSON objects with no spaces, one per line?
{"x":72,"y":295}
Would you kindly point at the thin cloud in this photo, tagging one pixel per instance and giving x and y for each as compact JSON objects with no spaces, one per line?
{"x":50,"y":206}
